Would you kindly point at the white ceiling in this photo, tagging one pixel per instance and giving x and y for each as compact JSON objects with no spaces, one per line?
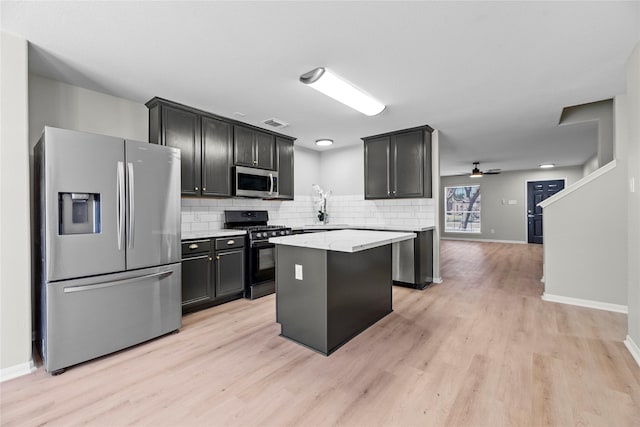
{"x":492,"y":77}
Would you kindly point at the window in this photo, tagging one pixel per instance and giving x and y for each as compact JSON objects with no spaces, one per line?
{"x":462,"y":209}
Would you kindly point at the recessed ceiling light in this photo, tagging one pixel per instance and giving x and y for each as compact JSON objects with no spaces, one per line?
{"x":547,"y":165}
{"x":335,"y":87}
{"x":324,"y":142}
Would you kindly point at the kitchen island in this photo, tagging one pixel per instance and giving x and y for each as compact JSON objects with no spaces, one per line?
{"x":412,"y":259}
{"x":331,"y":286}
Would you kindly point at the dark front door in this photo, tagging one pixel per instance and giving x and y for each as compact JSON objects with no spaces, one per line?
{"x":537,"y":191}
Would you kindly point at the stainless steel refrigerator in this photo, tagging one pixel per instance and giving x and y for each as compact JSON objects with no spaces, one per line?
{"x":109,"y":236}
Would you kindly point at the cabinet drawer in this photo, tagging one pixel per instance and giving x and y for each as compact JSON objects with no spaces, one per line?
{"x":195,"y":247}
{"x":230,"y":242}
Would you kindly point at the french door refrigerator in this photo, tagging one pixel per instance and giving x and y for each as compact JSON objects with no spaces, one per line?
{"x":109,"y":238}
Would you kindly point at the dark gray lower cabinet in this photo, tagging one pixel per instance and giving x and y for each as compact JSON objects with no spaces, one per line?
{"x":196,"y":276}
{"x":213,"y":272}
{"x":228,"y":264}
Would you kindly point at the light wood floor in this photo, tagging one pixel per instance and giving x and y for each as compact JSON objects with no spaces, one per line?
{"x":481,"y":348}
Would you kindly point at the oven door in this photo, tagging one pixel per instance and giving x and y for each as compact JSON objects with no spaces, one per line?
{"x":262,"y":263}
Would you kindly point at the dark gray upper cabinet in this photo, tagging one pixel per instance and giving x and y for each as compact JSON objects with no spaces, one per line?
{"x":284,"y":149}
{"x":243,"y":147}
{"x":181,"y":129}
{"x":210,"y":145}
{"x":398,"y":164}
{"x":217,"y":146}
{"x":376,"y":154}
{"x":408,"y":171}
{"x":253,"y":148}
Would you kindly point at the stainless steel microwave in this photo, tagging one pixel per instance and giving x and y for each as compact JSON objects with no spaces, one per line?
{"x":252,"y":182}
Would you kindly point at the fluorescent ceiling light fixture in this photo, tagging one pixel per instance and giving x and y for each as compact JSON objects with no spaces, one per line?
{"x":547,"y":165}
{"x":335,"y":87}
{"x":324,"y":142}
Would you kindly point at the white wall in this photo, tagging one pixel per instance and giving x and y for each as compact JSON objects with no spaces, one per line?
{"x":585,"y":243}
{"x":586,"y":231}
{"x":602,"y":113}
{"x":590,"y":165}
{"x":15,"y":251}
{"x":508,"y":221}
{"x":58,"y":104}
{"x":306,"y":169}
{"x":342,"y":170}
{"x":633,"y":198}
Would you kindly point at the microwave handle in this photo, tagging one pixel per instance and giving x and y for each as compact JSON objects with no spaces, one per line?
{"x":271,"y":179}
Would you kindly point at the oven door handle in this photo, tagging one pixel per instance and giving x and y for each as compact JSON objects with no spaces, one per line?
{"x":262,"y":245}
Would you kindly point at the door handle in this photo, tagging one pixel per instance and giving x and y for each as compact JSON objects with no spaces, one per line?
{"x":530,"y":216}
{"x":120,"y":203}
{"x":132,"y":215}
{"x":115,"y":283}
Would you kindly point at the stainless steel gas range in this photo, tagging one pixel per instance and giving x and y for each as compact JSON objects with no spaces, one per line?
{"x":260,"y":254}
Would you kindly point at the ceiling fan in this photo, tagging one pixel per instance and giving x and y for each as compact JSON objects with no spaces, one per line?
{"x":477,"y":173}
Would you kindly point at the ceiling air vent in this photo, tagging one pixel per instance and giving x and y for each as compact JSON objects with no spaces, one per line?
{"x":276,"y":123}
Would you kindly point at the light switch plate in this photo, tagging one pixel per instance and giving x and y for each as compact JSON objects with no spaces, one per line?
{"x":298,"y":272}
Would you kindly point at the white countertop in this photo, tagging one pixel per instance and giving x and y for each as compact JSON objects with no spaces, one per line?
{"x":208,"y":234}
{"x":388,"y":227}
{"x":343,"y":240}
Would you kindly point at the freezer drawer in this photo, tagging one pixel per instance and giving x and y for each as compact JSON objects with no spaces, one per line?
{"x":92,"y":317}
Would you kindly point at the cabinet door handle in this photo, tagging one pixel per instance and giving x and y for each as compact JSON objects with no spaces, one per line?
{"x":193,"y":246}
{"x":217,"y":256}
{"x":210,"y":259}
{"x":204,"y":189}
{"x":230,"y":242}
{"x":195,"y":188}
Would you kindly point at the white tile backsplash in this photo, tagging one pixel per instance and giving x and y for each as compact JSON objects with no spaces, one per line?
{"x":208,"y":214}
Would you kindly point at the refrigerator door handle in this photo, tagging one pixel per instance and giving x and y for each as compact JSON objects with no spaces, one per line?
{"x":132,"y":215}
{"x":120,"y":203}
{"x":81,"y":288}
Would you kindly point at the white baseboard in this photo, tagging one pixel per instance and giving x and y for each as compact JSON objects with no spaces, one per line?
{"x":585,"y":303}
{"x":519,"y":242}
{"x":437,"y":280}
{"x":633,"y":349}
{"x":16,"y":371}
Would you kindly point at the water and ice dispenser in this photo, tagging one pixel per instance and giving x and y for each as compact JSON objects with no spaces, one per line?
{"x":79,"y":213}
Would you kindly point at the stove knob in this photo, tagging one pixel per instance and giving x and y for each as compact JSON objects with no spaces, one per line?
{"x":257,"y":235}
{"x":282,"y":233}
{"x":273,"y":233}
